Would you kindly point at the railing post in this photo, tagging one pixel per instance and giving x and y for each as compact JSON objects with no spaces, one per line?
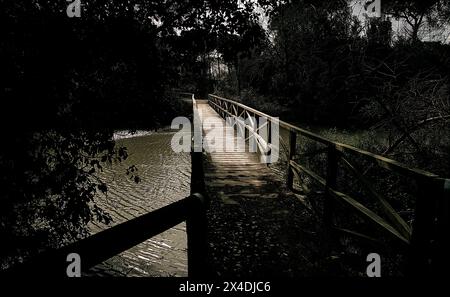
{"x":197,"y":180}
{"x":196,"y":222}
{"x":441,"y":261}
{"x":423,"y":228}
{"x":269,"y":136}
{"x":246,"y":132}
{"x":291,"y":154}
{"x":196,"y":236}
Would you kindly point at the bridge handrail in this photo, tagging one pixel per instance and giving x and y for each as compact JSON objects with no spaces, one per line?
{"x":382,"y":161}
{"x":432,"y":189}
{"x":103,"y":245}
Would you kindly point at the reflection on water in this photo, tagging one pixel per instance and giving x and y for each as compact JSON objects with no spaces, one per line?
{"x":165,"y":178}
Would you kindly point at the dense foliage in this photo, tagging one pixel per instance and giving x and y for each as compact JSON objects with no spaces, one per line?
{"x":69,"y":83}
{"x":319,"y":64}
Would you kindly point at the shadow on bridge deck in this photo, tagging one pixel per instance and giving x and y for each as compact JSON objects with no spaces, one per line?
{"x":256,"y":226}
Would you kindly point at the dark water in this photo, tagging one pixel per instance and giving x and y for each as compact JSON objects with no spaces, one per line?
{"x":165,"y":178}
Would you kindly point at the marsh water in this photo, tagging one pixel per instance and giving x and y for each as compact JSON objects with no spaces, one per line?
{"x":164,"y":178}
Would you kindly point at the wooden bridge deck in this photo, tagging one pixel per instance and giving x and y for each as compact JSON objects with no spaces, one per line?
{"x":255,"y":225}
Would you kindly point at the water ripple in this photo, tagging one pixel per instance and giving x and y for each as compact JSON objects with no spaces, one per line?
{"x":165,"y":179}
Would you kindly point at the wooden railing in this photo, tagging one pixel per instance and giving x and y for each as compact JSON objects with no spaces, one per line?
{"x":246,"y":120}
{"x":103,"y":245}
{"x":180,"y":95}
{"x":432,"y":198}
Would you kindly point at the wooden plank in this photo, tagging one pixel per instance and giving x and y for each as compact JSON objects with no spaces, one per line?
{"x":237,"y":175}
{"x":233,"y":183}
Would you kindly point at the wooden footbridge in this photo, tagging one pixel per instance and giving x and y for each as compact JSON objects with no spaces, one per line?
{"x":244,"y":219}
{"x":241,"y":179}
{"x":255,"y":224}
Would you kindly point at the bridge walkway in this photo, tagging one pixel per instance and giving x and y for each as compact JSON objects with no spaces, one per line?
{"x":256,"y":226}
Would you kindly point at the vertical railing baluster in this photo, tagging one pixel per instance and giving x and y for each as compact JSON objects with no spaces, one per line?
{"x":269,"y":138}
{"x":246,"y":132}
{"x":291,"y":154}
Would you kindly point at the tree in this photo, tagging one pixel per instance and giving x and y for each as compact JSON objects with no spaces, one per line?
{"x":69,"y":83}
{"x":416,"y":14}
{"x":308,"y":56}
